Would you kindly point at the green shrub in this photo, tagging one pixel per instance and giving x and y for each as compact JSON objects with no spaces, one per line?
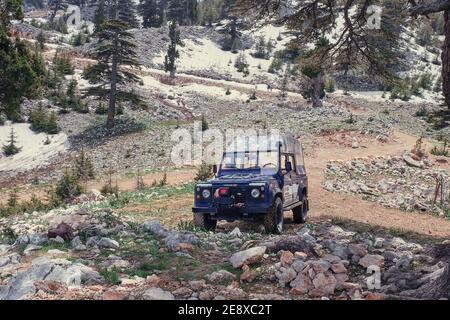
{"x":426,"y":82}
{"x":162,"y":182}
{"x":241,"y":63}
{"x":43,"y":121}
{"x":442,"y":149}
{"x":438,"y":85}
{"x":422,"y":112}
{"x":204,"y":173}
{"x":83,"y":167}
{"x":329,"y":84}
{"x":110,"y":276}
{"x":350,"y":120}
{"x":40,"y":38}
{"x":68,"y":187}
{"x":79,"y":39}
{"x":101,"y":109}
{"x":62,"y":64}
{"x":276,"y":65}
{"x":205,"y":125}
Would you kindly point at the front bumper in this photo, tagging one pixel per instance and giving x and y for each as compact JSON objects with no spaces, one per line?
{"x":232,"y":212}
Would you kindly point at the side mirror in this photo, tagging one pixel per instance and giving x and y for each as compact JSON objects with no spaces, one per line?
{"x":215,"y":170}
{"x":288,"y":166}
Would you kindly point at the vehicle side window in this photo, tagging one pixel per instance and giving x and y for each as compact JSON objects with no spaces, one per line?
{"x":287,"y":158}
{"x":300,"y":163}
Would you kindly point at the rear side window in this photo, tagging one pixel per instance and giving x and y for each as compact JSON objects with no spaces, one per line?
{"x":300,"y":162}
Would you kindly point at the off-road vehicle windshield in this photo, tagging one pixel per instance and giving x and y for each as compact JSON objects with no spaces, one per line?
{"x":265,"y":161}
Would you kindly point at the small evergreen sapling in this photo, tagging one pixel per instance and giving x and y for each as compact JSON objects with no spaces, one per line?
{"x":172,"y":52}
{"x":204,"y":173}
{"x":84,"y":169}
{"x":11,"y":148}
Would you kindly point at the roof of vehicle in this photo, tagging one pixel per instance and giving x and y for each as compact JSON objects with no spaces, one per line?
{"x":264,"y":143}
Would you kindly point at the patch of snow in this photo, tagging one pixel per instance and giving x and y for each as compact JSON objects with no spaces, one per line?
{"x":34,"y":153}
{"x":204,"y":54}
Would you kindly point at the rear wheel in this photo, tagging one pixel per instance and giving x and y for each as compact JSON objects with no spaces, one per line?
{"x":204,"y":221}
{"x":274,"y":219}
{"x":301,"y":212}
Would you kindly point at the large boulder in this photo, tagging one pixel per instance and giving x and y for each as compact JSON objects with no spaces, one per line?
{"x":22,"y":285}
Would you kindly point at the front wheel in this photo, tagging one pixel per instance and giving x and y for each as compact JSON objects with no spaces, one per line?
{"x":301,"y":212}
{"x":274,"y":219}
{"x":204,"y":221}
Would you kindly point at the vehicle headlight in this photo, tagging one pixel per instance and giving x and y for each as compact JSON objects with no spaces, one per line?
{"x":206,"y":193}
{"x":256,"y":193}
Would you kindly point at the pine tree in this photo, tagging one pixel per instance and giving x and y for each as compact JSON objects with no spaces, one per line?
{"x":84,"y":169}
{"x":151,"y":13}
{"x":260,"y":48}
{"x":361,"y":44}
{"x":108,"y":78}
{"x":11,"y":148}
{"x":21,"y":71}
{"x":232,"y":42}
{"x":40,"y":38}
{"x":209,"y":11}
{"x":55,"y":6}
{"x":185,"y":12}
{"x":126,"y":11}
{"x":284,"y":82}
{"x":172,"y":52}
{"x":100,"y":15}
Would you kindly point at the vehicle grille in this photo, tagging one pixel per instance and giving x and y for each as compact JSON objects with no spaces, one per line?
{"x":239,"y":198}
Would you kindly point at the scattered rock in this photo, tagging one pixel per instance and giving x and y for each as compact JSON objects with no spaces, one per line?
{"x":372,"y":260}
{"x":108,"y":243}
{"x":221,"y":276}
{"x":111,"y":295}
{"x":236,"y":233}
{"x":157,"y":294}
{"x":325,"y":284}
{"x":63,"y":231}
{"x":285,"y":275}
{"x":301,"y":285}
{"x":248,"y":257}
{"x":248,"y":275}
{"x":287,"y":258}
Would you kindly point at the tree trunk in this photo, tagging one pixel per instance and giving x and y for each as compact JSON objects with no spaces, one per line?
{"x":317,"y":87}
{"x":113,"y":90}
{"x":446,"y":59}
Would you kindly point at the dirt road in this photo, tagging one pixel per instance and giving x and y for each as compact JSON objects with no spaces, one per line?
{"x":325,"y":203}
{"x":328,"y":204}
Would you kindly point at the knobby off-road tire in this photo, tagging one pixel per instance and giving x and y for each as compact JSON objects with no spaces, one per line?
{"x":204,"y":221}
{"x":301,"y":212}
{"x":274,"y":219}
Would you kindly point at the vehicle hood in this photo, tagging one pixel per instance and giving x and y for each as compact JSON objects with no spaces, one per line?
{"x":240,"y":178}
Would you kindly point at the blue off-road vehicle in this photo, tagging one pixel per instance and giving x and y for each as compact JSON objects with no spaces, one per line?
{"x":255,"y":183}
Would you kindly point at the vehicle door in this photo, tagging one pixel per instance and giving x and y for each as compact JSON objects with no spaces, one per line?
{"x":290,"y":190}
{"x":302,"y":177}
